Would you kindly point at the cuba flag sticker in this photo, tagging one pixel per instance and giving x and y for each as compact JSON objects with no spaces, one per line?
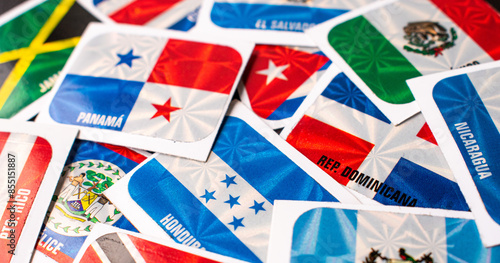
{"x":158,"y":92}
{"x":466,"y":103}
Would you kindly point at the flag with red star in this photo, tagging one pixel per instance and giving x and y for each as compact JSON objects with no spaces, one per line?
{"x":150,"y":86}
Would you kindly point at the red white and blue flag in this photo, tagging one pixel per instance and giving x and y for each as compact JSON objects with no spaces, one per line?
{"x":148,"y":86}
{"x":278,"y":78}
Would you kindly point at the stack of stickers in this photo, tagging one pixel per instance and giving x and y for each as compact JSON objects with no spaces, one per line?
{"x":249,"y":131}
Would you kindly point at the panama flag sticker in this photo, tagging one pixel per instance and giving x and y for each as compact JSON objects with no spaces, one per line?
{"x":223,"y":205}
{"x":463,"y":106}
{"x":154,"y":90}
{"x":278,"y":78}
{"x":340,"y":130}
{"x":399,"y":40}
{"x":31,"y":155}
{"x":174,"y":14}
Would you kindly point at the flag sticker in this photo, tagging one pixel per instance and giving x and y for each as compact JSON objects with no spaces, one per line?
{"x":425,"y":37}
{"x":79,"y":203}
{"x":163,"y":90}
{"x":278,"y":78}
{"x":30,"y":63}
{"x":464,"y":103}
{"x":348,"y":137}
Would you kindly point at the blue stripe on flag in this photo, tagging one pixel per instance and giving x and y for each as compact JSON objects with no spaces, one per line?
{"x":286,"y":109}
{"x":464,"y":112}
{"x":187,"y":22}
{"x":334,"y":227}
{"x":266,"y":168}
{"x":103,"y":96}
{"x":343,"y":90}
{"x":270,"y":17}
{"x":464,"y":243}
{"x":430,"y":189}
{"x":160,"y":194}
{"x":87,"y":150}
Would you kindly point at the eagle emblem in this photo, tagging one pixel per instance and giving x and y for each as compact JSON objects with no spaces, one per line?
{"x":428,"y":38}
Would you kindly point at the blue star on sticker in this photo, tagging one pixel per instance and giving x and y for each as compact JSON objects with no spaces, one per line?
{"x":208,"y":196}
{"x":127,"y":58}
{"x":236,"y":223}
{"x":229,"y":180}
{"x":258,"y":206}
{"x":232,"y":201}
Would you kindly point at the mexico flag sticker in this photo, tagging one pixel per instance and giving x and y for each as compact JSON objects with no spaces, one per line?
{"x":158,"y":91}
{"x":399,"y":40}
{"x":36,"y":42}
{"x":28,"y":158}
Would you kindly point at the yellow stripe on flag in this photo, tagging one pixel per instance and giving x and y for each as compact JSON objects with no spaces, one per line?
{"x":29,"y":54}
{"x":46,"y":48}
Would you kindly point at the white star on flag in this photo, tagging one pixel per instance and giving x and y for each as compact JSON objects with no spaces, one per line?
{"x":273,"y":72}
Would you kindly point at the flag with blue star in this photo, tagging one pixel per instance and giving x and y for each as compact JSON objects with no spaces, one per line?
{"x":231,"y":194}
{"x":153,"y":87}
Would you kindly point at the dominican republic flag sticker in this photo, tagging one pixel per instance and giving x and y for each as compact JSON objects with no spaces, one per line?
{"x":174,"y":14}
{"x":154,"y":90}
{"x":346,"y":135}
{"x":278,"y":78}
{"x":421,"y":38}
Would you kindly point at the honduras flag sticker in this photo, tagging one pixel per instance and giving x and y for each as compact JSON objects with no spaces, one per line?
{"x":158,"y":91}
{"x":224,"y":205}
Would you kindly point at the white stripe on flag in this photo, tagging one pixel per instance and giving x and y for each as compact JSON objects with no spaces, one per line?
{"x":100,"y":57}
{"x":110,"y":6}
{"x":337,"y":4}
{"x":20,"y":145}
{"x":486,"y":83}
{"x":391,"y":142}
{"x":391,"y":24}
{"x":198,"y":177}
{"x":102,"y":256}
{"x":174,"y":14}
{"x":389,"y":232}
{"x":307,"y":86}
{"x":197,"y":117}
{"x":131,"y":248}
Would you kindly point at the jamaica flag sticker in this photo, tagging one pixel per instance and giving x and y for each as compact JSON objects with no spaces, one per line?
{"x":35,"y":46}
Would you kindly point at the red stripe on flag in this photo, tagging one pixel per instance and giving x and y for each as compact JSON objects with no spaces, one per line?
{"x":197,"y":65}
{"x":126,"y":152}
{"x":154,"y":252}
{"x":90,"y":256}
{"x":141,"y":12}
{"x":476,"y":18}
{"x":4,"y":136}
{"x":27,"y":186}
{"x":300,"y":66}
{"x":320,"y":142}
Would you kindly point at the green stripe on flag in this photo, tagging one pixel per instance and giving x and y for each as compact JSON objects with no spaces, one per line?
{"x":376,"y":61}
{"x":20,"y":31}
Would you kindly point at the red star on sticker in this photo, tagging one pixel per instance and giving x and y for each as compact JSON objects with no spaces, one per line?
{"x":164,"y":110}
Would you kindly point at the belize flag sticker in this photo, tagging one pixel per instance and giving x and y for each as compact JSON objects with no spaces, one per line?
{"x":278,"y":78}
{"x":276,"y":22}
{"x":155,"y":90}
{"x":462,"y":106}
{"x":399,"y":40}
{"x":173,"y":14}
{"x":111,"y":244}
{"x":223,"y":205}
{"x":319,"y":231}
{"x":31,"y":155}
{"x":79,"y":203}
{"x":340,"y":130}
{"x":37,"y":40}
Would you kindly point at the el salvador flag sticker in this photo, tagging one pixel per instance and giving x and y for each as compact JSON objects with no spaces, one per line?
{"x":150,"y":87}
